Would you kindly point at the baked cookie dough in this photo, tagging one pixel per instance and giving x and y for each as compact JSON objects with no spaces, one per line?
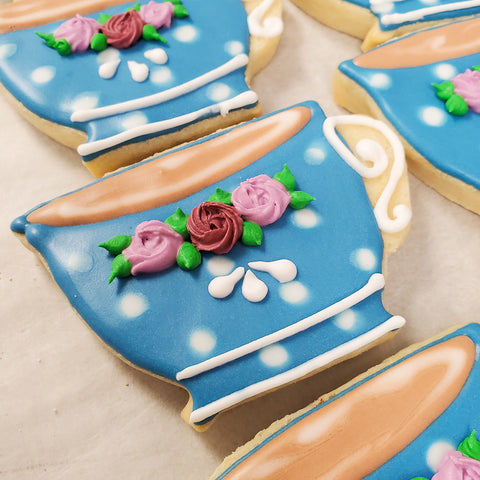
{"x":241,"y":263}
{"x":121,"y":81}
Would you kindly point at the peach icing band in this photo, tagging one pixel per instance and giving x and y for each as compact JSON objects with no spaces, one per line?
{"x":438,"y":44}
{"x":359,"y":431}
{"x":174,"y":176}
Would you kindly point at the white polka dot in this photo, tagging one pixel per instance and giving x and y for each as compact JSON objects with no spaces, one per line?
{"x":381,"y":6}
{"x":429,"y":2}
{"x":445,"y":71}
{"x":273,"y":355}
{"x":134,"y":120}
{"x":108,"y":55}
{"x":43,"y":74}
{"x":80,"y":262}
{"x":380,"y":80}
{"x":305,"y":218}
{"x":85,"y":101}
{"x":436,"y":452}
{"x":218,"y":92}
{"x":7,"y":50}
{"x":433,"y":116}
{"x":293,"y":292}
{"x":477,"y":352}
{"x":133,"y":305}
{"x":346,"y":320}
{"x":187,"y":33}
{"x":202,"y":341}
{"x":161,"y":75}
{"x":234,"y":48}
{"x":220,"y":265}
{"x":314,"y":156}
{"x":364,"y":259}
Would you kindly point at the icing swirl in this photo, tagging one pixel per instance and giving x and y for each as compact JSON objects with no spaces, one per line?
{"x":78,"y":32}
{"x":154,"y":247}
{"x":467,"y":85}
{"x":123,"y":30}
{"x":261,"y":199}
{"x":157,"y":14}
{"x":214,"y":227}
{"x":454,"y":466}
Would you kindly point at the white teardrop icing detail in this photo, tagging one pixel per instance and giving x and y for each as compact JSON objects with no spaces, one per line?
{"x":221,"y":287}
{"x":253,"y":289}
{"x":109,"y":69}
{"x":156,"y":55}
{"x":139,"y":71}
{"x":283,"y":270}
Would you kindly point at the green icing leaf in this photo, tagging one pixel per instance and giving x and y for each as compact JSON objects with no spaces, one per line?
{"x":117,"y":244}
{"x":252,"y":234}
{"x":470,"y":447}
{"x":63,"y":47}
{"x":188,"y":257}
{"x":121,"y":268}
{"x":103,"y":18}
{"x":444,"y":90}
{"x":179,"y":11}
{"x":456,"y":105}
{"x":286,"y":178}
{"x":476,"y":68}
{"x":175,"y":2}
{"x":300,"y":199}
{"x":49,"y":38}
{"x":420,"y":478}
{"x":99,"y":42}
{"x":135,"y":7}
{"x":150,"y":33}
{"x":221,"y":196}
{"x":178,"y":222}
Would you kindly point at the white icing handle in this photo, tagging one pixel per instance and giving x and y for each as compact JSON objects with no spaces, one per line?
{"x":372,"y":151}
{"x":271,"y":26}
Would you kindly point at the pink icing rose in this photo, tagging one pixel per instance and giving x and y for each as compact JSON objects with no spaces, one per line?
{"x":261,"y":199}
{"x":455,"y":466}
{"x":154,"y":247}
{"x":157,"y":14}
{"x":467,"y":85}
{"x":78,"y":32}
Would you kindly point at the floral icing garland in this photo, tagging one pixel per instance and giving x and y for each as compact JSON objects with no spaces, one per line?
{"x":461,"y":93}
{"x":460,"y":464}
{"x":213,"y":226}
{"x":120,"y":31}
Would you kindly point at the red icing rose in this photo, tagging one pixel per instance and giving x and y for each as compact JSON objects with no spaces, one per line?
{"x":123,"y":30}
{"x":214,"y":227}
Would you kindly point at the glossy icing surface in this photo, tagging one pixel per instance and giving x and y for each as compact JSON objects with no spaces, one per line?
{"x":394,"y":14}
{"x":226,"y":350}
{"x":60,"y":88}
{"x":407,"y":99}
{"x":396,"y":423}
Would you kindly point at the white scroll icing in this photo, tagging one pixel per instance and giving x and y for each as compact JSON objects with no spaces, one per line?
{"x":108,"y":69}
{"x":246,"y":98}
{"x":282,"y":270}
{"x":156,"y":99}
{"x":138,"y":71}
{"x":253,"y":289}
{"x":156,"y":55}
{"x":375,"y":283}
{"x":222,"y":287}
{"x":372,"y":151}
{"x":300,"y":371}
{"x":419,"y":14}
{"x":271,"y":26}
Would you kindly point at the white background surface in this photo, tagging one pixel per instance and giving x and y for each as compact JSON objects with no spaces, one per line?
{"x":71,"y":409}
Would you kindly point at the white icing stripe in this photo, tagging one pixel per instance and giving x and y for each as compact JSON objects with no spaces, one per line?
{"x":151,"y":100}
{"x":375,"y":283}
{"x":271,"y":26}
{"x":373,"y":152}
{"x":242,"y":100}
{"x":397,"y":18}
{"x":393,"y":323}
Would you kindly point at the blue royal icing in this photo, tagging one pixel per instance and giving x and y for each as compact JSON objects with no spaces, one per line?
{"x":55,"y":87}
{"x":166,"y":323}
